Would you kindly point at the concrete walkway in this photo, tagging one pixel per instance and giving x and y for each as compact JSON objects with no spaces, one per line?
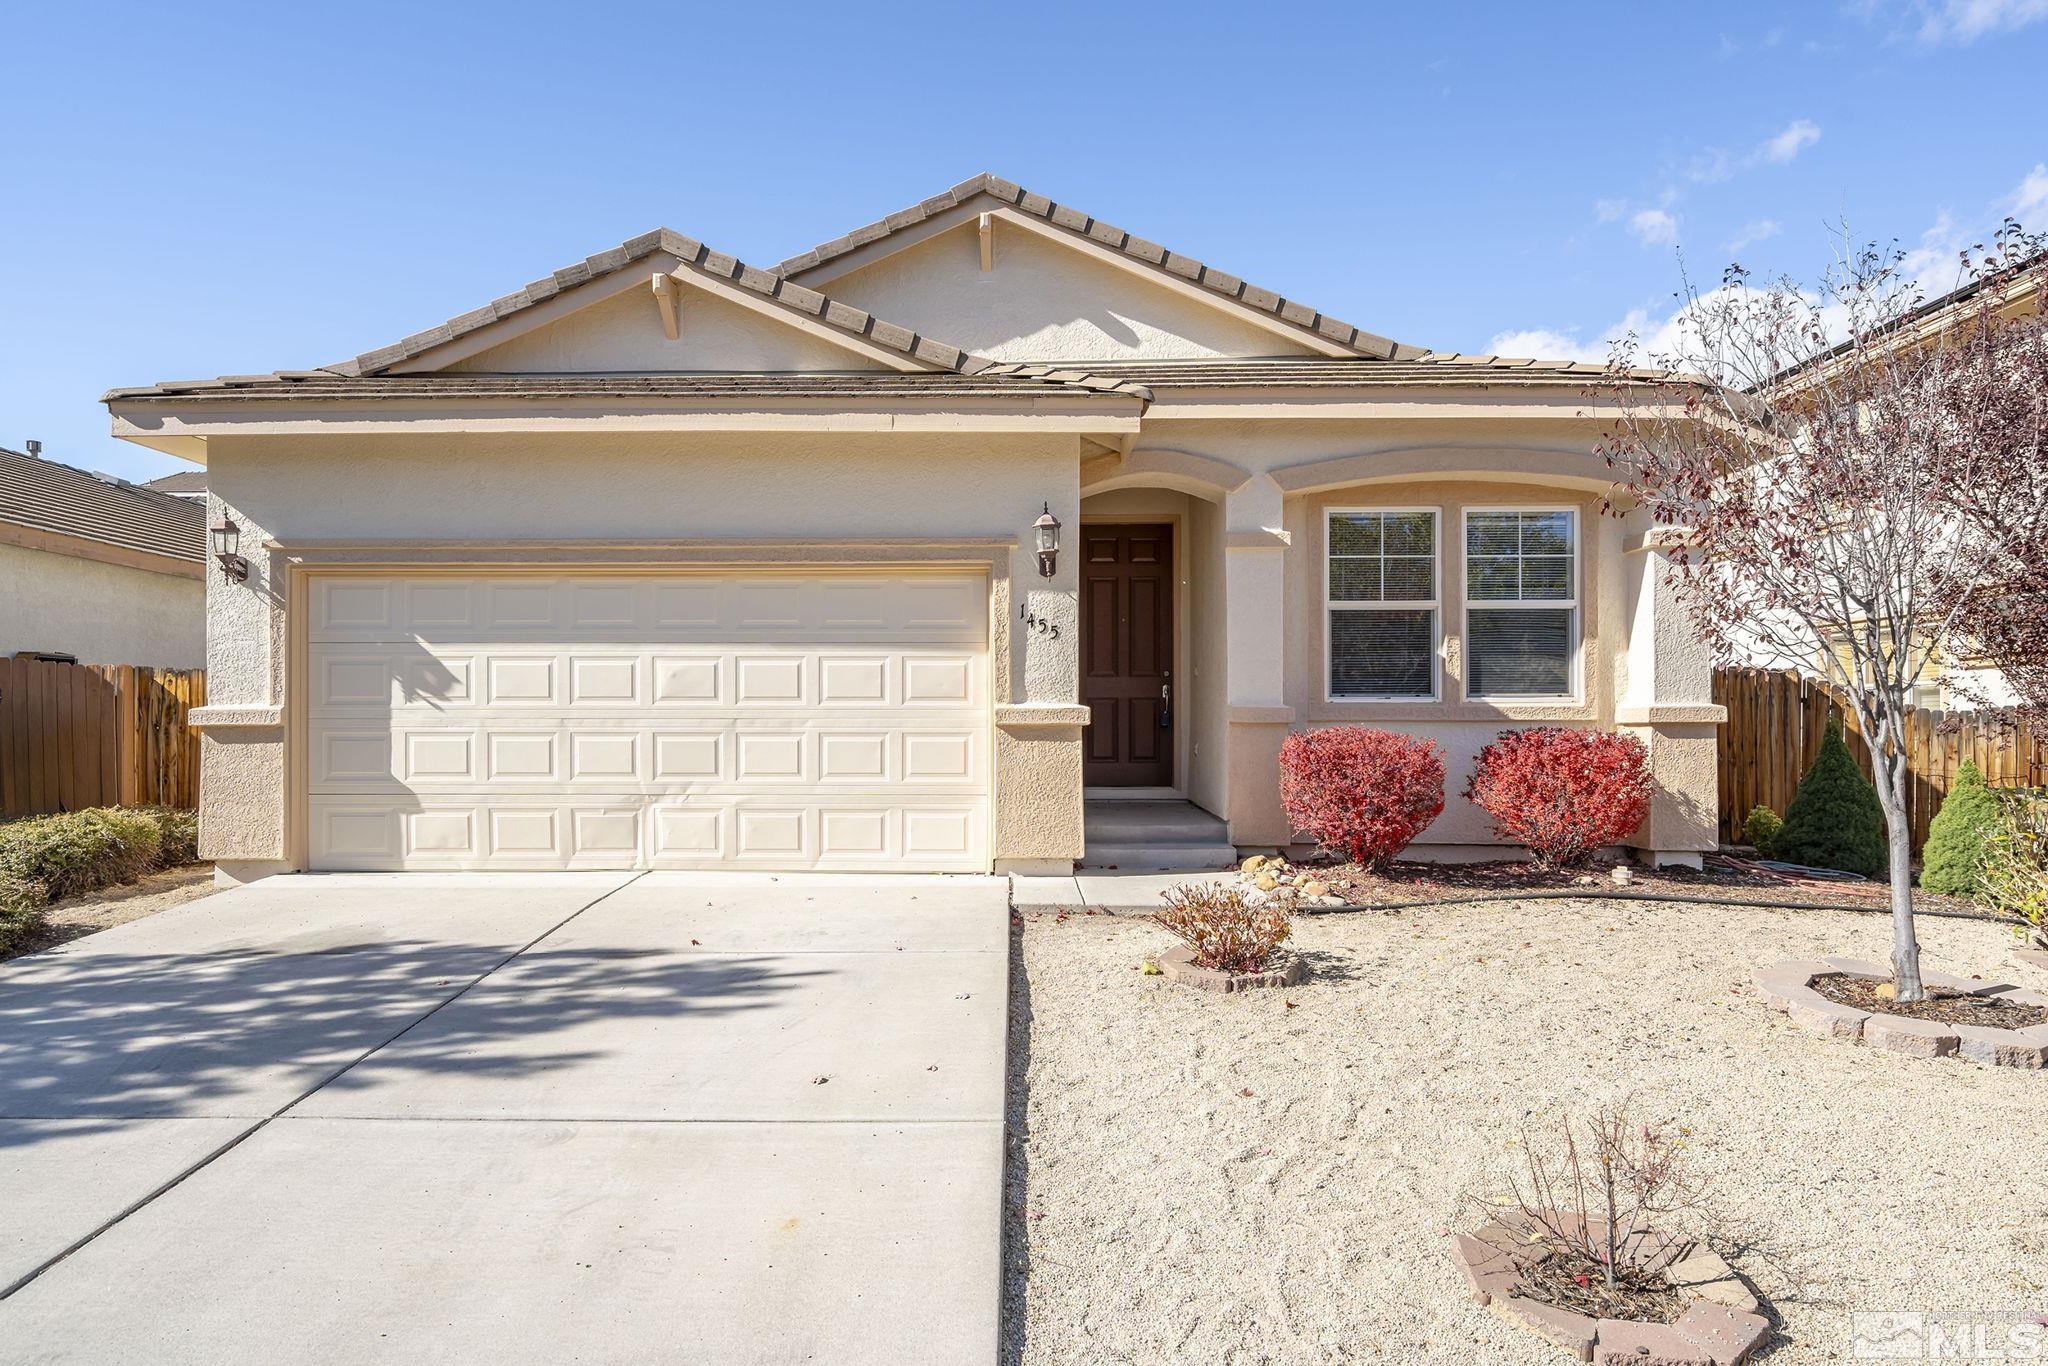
{"x":1116,"y":893}
{"x":535,"y":1118}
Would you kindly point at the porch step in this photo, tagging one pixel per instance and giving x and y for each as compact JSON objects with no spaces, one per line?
{"x":1147,"y":836}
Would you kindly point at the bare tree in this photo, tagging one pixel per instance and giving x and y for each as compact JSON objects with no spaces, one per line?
{"x":1805,"y":440}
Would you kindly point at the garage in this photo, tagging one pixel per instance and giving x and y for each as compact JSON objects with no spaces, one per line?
{"x":563,"y":719}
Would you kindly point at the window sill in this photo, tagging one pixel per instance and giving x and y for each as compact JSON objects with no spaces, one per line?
{"x":1471,"y":710}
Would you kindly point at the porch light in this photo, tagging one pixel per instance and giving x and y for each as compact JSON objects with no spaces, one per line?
{"x":1048,"y":527}
{"x":227,"y":540}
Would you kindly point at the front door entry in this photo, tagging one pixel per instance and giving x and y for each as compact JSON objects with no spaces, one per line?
{"x":1127,"y":655}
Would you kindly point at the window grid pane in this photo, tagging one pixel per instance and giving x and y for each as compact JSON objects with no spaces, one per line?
{"x":1382,"y":557}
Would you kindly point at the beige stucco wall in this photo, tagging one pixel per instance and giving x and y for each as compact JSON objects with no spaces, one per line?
{"x":770,"y":496}
{"x":102,"y":613}
{"x":1044,"y":301}
{"x":624,"y":333}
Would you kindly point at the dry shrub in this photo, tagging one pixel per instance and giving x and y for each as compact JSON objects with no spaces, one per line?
{"x":1230,"y":929}
{"x":1593,"y":1197}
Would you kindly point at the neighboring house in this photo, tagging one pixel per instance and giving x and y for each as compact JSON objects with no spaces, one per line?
{"x":666,"y":560}
{"x":1950,"y":684}
{"x":98,"y":570}
{"x":184,"y":484}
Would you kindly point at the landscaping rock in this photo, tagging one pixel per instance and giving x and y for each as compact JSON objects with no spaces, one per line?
{"x":1177,"y":964}
{"x":1254,"y":863}
{"x":1265,"y":882}
{"x":1625,"y":1342}
{"x":1725,"y":1335}
{"x":1489,"y":1271}
{"x":2003,"y":1047}
{"x":1315,"y":889}
{"x":1901,"y":1034}
{"x":1573,"y":1332}
{"x":2031,"y":958}
{"x":1825,"y":1017}
{"x":1622,"y":875}
{"x":1705,"y":1274}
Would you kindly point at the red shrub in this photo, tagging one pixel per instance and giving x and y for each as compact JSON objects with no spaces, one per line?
{"x":1363,"y":793}
{"x":1562,"y":793}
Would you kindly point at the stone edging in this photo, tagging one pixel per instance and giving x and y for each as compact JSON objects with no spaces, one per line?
{"x":2031,"y":958}
{"x":1720,"y":1324}
{"x":1177,"y":964}
{"x":1786,"y":987}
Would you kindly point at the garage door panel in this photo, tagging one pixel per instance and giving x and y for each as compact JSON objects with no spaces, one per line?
{"x":738,"y":607}
{"x":539,"y":721}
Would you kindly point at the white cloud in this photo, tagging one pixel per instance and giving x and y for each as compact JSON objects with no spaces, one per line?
{"x":1797,"y":134}
{"x":1607,"y":210}
{"x":1761,"y":230}
{"x":1965,"y":21}
{"x":2032,"y":193}
{"x":1543,"y":343}
{"x":1655,"y":227}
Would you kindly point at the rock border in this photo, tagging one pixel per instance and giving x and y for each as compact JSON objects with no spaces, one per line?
{"x":2031,"y":958}
{"x":1720,"y":1325}
{"x":1177,"y":964}
{"x":1787,"y":988}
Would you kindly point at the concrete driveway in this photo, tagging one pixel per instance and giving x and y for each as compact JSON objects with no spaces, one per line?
{"x":509,"y":1119}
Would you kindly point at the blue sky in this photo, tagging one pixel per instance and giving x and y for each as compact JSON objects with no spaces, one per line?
{"x":196,"y":190}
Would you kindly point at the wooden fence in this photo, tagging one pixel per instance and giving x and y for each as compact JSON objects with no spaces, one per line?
{"x":79,"y":735}
{"x":1774,"y":729}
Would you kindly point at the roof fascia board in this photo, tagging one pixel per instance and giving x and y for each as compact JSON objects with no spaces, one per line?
{"x":821,"y":276}
{"x":1187,"y":289}
{"x":698,"y":278}
{"x":548,"y":310}
{"x":156,"y":422}
{"x":85,"y":548}
{"x":1399,"y":403}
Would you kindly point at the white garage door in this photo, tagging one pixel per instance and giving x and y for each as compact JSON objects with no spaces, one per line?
{"x":559,"y":720}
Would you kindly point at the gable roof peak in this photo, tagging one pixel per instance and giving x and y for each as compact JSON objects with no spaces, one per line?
{"x":1187,"y":269}
{"x":770,"y":285}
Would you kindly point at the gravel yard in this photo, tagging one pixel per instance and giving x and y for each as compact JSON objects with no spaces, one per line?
{"x":1157,"y":1212}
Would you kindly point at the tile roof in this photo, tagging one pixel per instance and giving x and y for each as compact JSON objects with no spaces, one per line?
{"x":807,"y":303}
{"x":997,"y":381}
{"x":184,"y":481}
{"x":46,"y":496}
{"x":1081,"y":225}
{"x":1323,"y":372}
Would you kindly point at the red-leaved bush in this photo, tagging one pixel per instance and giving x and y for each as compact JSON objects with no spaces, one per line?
{"x":1562,"y":793}
{"x":1362,"y":793}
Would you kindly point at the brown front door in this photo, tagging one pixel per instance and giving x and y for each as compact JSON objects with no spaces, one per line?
{"x":1127,"y":654}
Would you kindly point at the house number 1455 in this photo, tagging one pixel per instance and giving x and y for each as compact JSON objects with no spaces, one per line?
{"x":1034,"y":622}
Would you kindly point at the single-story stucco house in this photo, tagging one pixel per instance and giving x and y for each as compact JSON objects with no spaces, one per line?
{"x":670,"y":561}
{"x":96,"y":570}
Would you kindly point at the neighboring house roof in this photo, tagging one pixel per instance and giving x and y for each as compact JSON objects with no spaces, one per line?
{"x":1226,"y":286}
{"x":58,"y":501}
{"x":2018,"y":292}
{"x":183,"y":484}
{"x":802,"y":302}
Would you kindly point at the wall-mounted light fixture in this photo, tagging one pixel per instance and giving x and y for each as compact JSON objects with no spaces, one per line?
{"x":1048,"y":527}
{"x":227,"y":541}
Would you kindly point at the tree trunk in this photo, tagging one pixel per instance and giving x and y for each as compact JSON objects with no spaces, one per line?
{"x":1891,"y":794}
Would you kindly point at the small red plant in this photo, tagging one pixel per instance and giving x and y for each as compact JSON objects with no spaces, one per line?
{"x":1560,"y":793}
{"x":1360,"y":792}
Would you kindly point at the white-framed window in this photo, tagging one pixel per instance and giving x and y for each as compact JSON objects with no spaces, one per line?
{"x":1521,"y":602}
{"x":1380,"y":604}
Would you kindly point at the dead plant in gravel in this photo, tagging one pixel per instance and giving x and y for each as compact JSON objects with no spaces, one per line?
{"x":1601,"y":1205}
{"x":1228,"y":928}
